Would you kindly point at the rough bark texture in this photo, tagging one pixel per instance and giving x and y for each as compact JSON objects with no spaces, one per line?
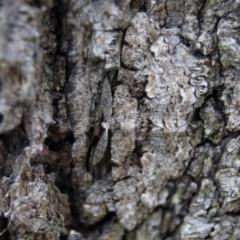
{"x":119,"y":119}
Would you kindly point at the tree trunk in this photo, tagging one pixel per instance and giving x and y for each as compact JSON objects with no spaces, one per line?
{"x":119,"y":119}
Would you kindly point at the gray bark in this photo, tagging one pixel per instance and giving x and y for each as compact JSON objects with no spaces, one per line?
{"x":119,"y":119}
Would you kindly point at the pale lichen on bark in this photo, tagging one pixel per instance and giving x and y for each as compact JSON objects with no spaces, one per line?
{"x":119,"y":119}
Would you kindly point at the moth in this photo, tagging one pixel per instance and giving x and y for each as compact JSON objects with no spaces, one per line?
{"x":106,"y":105}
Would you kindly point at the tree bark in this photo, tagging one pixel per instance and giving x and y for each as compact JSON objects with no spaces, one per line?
{"x":119,"y":119}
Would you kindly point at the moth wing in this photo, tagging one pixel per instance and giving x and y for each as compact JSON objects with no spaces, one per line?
{"x":100,"y":149}
{"x":106,"y":100}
